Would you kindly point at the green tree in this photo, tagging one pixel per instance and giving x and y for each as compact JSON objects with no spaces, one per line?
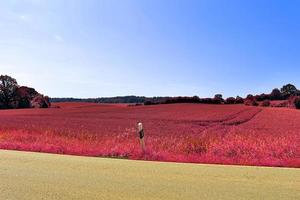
{"x":288,"y":90}
{"x":218,"y":96}
{"x":8,"y":87}
{"x":275,"y":94}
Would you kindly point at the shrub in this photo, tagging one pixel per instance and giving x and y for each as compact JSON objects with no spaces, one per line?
{"x":297,"y":102}
{"x":262,"y":97}
{"x":248,"y":102}
{"x":254,"y":103}
{"x":40,"y":101}
{"x":217,"y":101}
{"x":23,"y":103}
{"x":251,"y":102}
{"x":230,"y":100}
{"x":281,"y":104}
{"x":291,"y":101}
{"x":148,"y":103}
{"x":266,"y":103}
{"x":239,"y":100}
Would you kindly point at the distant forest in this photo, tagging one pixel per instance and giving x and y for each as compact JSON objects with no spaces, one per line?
{"x":287,"y":92}
{"x":147,"y":100}
{"x":119,"y":99}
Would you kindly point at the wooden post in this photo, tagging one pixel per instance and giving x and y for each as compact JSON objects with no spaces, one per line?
{"x":142,"y":136}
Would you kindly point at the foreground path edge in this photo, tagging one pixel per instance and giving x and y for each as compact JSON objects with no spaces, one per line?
{"x":27,"y":175}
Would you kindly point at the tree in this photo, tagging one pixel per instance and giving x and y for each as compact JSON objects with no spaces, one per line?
{"x":40,"y":101}
{"x":8,"y":87}
{"x":218,"y":99}
{"x":239,"y":100}
{"x":250,"y":96}
{"x":250,"y":102}
{"x":24,"y":95}
{"x":288,"y":90}
{"x":262,"y":97}
{"x":218,"y":96}
{"x":230,"y":100}
{"x":276,"y":94}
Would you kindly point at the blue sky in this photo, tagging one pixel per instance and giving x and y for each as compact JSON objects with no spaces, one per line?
{"x":153,"y":47}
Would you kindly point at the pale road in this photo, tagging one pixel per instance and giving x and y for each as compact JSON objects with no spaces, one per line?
{"x":25,"y":175}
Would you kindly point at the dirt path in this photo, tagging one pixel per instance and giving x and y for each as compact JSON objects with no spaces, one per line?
{"x":25,"y":175}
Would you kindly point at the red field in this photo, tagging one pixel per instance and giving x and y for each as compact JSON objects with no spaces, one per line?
{"x":226,"y":134}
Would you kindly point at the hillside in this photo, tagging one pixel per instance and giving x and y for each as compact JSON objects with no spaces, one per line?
{"x":200,"y":133}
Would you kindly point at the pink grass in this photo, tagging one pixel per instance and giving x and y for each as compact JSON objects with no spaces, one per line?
{"x":222,"y":135}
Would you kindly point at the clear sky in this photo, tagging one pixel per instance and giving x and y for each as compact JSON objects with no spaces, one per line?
{"x":150,"y":47}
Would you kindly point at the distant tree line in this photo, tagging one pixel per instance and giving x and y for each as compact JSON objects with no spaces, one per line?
{"x":149,"y":100}
{"x":287,"y":92}
{"x":119,"y":99}
{"x":14,"y":96}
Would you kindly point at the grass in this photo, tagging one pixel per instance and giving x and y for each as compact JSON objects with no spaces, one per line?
{"x":196,"y":133}
{"x":27,"y":175}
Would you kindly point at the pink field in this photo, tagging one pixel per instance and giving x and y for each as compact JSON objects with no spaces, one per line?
{"x":224,"y":134}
